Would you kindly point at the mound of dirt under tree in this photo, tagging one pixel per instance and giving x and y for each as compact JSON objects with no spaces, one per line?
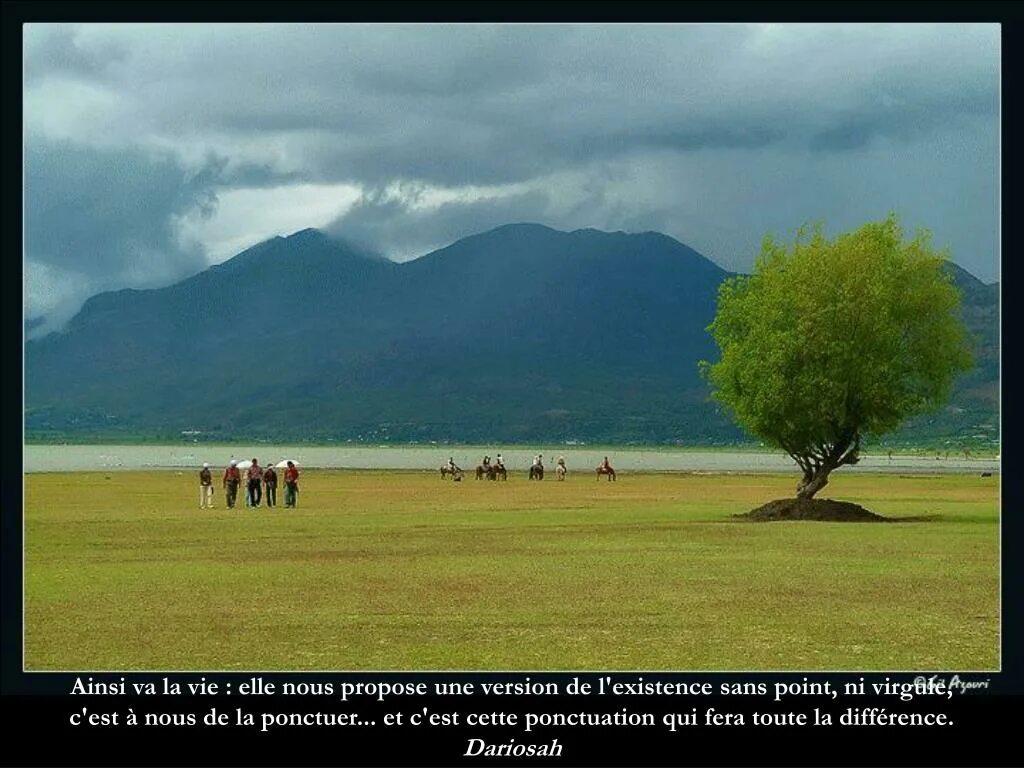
{"x":813,"y":509}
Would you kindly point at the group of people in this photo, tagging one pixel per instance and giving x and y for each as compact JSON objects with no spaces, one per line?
{"x":260,"y":487}
{"x":538,"y":461}
{"x":455,"y":470}
{"x":536,"y":469}
{"x":498,"y":462}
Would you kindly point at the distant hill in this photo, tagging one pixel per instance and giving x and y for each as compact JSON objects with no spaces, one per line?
{"x":523,"y":333}
{"x":971,"y":418}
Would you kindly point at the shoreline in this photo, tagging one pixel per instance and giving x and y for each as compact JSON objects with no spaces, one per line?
{"x":581,"y":460}
{"x":875,"y":451}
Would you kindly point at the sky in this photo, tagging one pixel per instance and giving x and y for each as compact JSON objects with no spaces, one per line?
{"x":154,"y":151}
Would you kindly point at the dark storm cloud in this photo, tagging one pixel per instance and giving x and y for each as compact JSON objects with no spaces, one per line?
{"x":61,"y":50}
{"x":73,"y":196}
{"x":720,"y":136}
{"x":103,"y":218}
{"x":717,"y":132}
{"x":469,"y":64}
{"x":898,"y":115}
{"x":464,"y":104}
{"x":96,"y":219}
{"x":400,"y":230}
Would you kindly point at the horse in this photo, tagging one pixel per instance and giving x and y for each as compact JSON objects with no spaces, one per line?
{"x":536,"y":471}
{"x":605,"y":470}
{"x":455,"y":473}
{"x":491,"y":472}
{"x":560,"y":471}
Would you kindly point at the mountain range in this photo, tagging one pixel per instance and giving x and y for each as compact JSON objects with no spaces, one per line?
{"x":519,"y":334}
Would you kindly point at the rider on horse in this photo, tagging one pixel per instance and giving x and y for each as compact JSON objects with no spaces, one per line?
{"x":537,"y":468}
{"x":605,"y":468}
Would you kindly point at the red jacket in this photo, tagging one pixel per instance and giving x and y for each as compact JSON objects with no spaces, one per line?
{"x":291,"y":475}
{"x":232,"y":474}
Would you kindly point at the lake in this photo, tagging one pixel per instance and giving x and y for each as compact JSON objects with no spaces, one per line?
{"x":81,"y":458}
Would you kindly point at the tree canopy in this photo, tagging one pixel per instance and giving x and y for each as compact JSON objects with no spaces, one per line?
{"x":830,"y":340}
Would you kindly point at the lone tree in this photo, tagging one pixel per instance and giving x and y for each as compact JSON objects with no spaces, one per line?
{"x":832,"y":340}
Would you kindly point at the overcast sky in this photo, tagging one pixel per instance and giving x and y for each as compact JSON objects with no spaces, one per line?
{"x":152,"y":151}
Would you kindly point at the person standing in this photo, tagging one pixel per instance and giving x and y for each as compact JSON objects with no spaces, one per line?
{"x":232,"y":479}
{"x":291,"y":485}
{"x":205,"y":487}
{"x":255,"y":475}
{"x":270,"y":481}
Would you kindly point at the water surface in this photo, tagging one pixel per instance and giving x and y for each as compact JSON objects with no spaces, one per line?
{"x":79,"y":458}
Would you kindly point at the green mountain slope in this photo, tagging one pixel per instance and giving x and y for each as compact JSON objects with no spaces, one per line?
{"x":519,"y":334}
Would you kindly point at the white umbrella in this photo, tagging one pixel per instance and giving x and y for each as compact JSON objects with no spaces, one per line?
{"x":284,"y":463}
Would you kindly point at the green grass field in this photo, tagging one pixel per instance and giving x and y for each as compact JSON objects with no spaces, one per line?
{"x":401,"y":571}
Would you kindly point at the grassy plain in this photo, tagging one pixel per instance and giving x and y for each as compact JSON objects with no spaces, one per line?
{"x":402,"y":571}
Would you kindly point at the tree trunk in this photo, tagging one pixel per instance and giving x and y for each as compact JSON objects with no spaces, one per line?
{"x":813,"y":482}
{"x":819,"y":460}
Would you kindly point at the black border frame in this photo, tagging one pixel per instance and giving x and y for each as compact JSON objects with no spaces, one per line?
{"x":37,"y":704}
